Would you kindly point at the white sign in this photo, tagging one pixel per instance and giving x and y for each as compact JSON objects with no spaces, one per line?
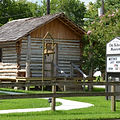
{"x":113,"y":47}
{"x":113,"y":64}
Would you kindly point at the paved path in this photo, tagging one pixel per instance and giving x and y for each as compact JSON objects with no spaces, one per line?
{"x":66,"y":105}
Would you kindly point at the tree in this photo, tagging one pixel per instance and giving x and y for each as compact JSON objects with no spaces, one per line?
{"x":100,"y":31}
{"x":11,"y":9}
{"x":54,"y":6}
{"x":74,"y":9}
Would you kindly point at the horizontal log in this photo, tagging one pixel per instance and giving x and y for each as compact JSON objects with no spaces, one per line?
{"x":40,"y":39}
{"x":9,"y":78}
{"x":8,"y":55}
{"x":8,"y":74}
{"x":10,"y":49}
{"x":9,"y":61}
{"x":58,"y":95}
{"x":8,"y":64}
{"x":51,"y":81}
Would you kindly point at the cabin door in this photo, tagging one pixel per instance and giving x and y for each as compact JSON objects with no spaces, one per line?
{"x":50,"y":69}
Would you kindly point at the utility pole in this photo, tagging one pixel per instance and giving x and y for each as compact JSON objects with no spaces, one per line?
{"x":48,"y":7}
{"x":101,"y":9}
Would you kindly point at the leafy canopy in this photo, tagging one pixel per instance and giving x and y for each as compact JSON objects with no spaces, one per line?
{"x":74,"y":9}
{"x":12,"y":9}
{"x":102,"y":30}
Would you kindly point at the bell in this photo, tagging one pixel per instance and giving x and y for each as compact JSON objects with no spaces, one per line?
{"x":48,"y":51}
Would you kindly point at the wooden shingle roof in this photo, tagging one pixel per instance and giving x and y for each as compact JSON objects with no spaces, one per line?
{"x":16,"y":29}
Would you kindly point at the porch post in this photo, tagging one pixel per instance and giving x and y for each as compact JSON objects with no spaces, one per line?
{"x":28,"y":56}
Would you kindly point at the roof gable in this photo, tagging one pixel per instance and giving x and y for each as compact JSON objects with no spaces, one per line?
{"x":16,"y":29}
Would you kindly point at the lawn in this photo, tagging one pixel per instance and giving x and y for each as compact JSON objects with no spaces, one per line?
{"x":24,"y":91}
{"x":23,"y":103}
{"x":99,"y":111}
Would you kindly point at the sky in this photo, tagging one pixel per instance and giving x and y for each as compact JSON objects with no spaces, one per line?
{"x":85,"y":1}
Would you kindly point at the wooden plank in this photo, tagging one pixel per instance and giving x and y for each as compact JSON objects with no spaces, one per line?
{"x":8,"y":67}
{"x":53,"y":82}
{"x":62,"y":78}
{"x":8,"y":74}
{"x":35,"y":78}
{"x":9,"y":78}
{"x":8,"y":71}
{"x":83,"y":94}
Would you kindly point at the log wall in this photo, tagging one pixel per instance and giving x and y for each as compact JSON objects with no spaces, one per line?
{"x":68,"y":50}
{"x":8,"y":66}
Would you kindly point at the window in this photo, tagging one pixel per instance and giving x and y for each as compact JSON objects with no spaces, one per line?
{"x":0,"y":54}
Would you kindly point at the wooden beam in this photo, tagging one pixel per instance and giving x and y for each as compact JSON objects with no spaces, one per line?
{"x":18,"y":50}
{"x":78,"y":33}
{"x":113,"y":102}
{"x":28,"y":56}
{"x":57,"y":95}
{"x":53,"y":98}
{"x":50,"y":83}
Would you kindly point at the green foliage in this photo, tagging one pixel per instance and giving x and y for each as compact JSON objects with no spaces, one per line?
{"x":74,"y":9}
{"x":11,"y":9}
{"x":54,"y":6}
{"x":103,"y":29}
{"x":17,"y":9}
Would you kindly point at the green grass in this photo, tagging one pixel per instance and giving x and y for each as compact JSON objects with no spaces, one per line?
{"x":98,"y":89}
{"x":24,"y":91}
{"x":1,"y":93}
{"x":37,"y":92}
{"x":24,"y":103}
{"x":99,"y":111}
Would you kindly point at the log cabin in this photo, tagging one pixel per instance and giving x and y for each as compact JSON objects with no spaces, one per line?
{"x":39,"y":47}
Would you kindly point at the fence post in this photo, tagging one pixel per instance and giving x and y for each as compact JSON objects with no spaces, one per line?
{"x":84,"y":85}
{"x":71,"y":70}
{"x":113,"y":102}
{"x":65,"y":85}
{"x":53,"y":98}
